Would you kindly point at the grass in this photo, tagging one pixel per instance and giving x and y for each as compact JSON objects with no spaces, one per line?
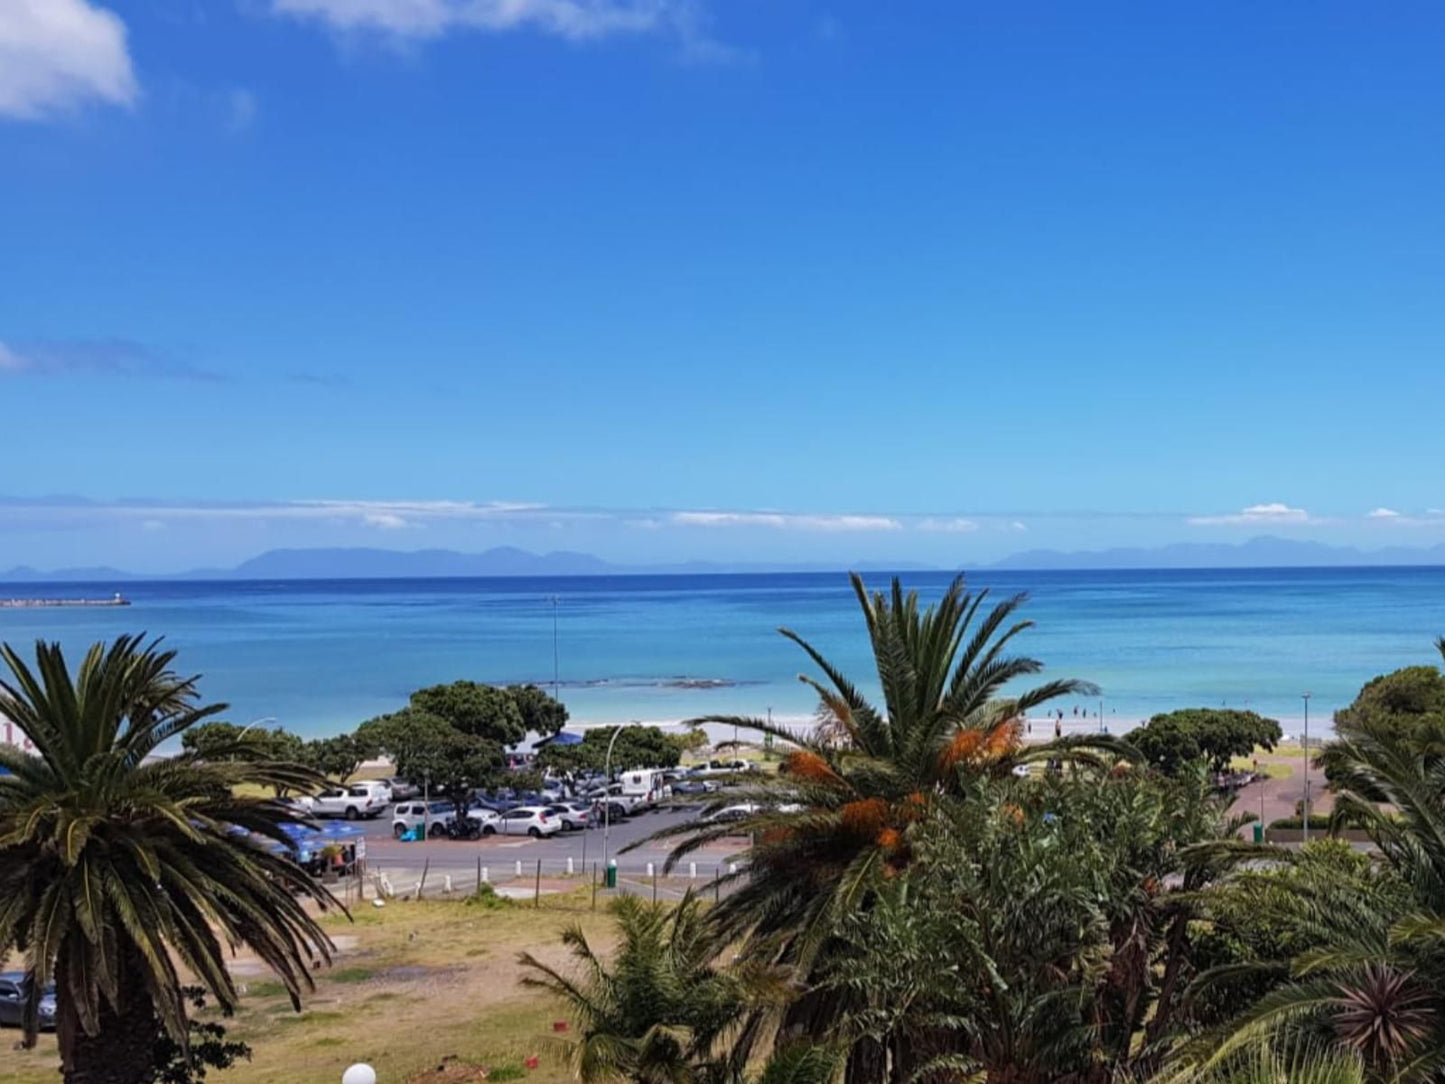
{"x":416,"y":983}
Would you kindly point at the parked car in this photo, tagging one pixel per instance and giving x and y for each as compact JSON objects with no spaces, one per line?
{"x":13,"y":989}
{"x":401,"y":790}
{"x":529,"y":820}
{"x":575,"y":816}
{"x":350,"y":802}
{"x":436,"y":815}
{"x":689,"y":787}
{"x":485,"y":819}
{"x":728,"y":814}
{"x":377,"y":788}
{"x":620,"y":800}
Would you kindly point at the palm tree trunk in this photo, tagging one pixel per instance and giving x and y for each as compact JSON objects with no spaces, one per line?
{"x":123,"y":1049}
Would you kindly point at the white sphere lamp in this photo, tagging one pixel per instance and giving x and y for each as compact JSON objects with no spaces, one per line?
{"x":359,"y":1074}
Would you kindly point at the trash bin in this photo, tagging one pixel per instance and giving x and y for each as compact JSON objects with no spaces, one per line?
{"x":611,"y":875}
{"x":1258,"y":832}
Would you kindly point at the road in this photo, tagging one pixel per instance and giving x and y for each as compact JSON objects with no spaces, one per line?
{"x":501,"y":853}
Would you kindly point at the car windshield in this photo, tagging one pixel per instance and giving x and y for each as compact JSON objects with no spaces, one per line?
{"x":358,"y":792}
{"x":441,"y":807}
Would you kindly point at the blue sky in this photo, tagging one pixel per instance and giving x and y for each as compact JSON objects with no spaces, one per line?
{"x":746,"y":279}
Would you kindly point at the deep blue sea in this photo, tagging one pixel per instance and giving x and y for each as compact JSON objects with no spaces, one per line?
{"x":321,"y":656}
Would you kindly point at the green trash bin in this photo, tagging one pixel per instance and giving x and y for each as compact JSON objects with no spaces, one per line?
{"x":1258,"y":832}
{"x":611,"y":875}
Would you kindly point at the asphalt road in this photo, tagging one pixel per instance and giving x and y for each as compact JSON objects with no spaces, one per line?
{"x":499,"y":853}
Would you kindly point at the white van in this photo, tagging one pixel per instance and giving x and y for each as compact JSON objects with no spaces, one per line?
{"x":379,"y":789}
{"x":646,"y":786}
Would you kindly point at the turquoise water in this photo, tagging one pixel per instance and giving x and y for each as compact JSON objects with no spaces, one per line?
{"x":320,"y":656}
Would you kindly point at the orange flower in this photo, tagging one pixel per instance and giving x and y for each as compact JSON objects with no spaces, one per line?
{"x":777,"y":834}
{"x":963,"y":747}
{"x":889,"y":838}
{"x":865,"y":817}
{"x":806,"y":764}
{"x":1010,"y":810}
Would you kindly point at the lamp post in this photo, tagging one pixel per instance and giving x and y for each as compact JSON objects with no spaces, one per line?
{"x":607,"y":794}
{"x":1306,"y":819}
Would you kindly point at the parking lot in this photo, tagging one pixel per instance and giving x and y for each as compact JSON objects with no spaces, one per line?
{"x":585,"y":848}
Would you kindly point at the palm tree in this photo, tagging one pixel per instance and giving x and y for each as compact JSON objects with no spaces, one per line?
{"x":1373,"y":975}
{"x":856,"y":785}
{"x":657,"y":1014}
{"x":121,"y":869}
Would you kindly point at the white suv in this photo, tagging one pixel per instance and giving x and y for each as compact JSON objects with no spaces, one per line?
{"x":529,"y":820}
{"x":407,"y":815}
{"x":349,"y":802}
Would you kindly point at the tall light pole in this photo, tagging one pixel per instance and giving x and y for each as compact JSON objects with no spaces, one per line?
{"x":1306,"y":820}
{"x":607,"y":794}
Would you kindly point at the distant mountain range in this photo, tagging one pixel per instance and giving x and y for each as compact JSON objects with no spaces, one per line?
{"x":382,"y":564}
{"x":343,"y":564}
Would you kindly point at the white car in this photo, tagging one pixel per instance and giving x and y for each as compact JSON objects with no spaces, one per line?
{"x":487,"y":819}
{"x":436,"y":815}
{"x":528,"y":820}
{"x":349,"y":802}
{"x":741,"y":811}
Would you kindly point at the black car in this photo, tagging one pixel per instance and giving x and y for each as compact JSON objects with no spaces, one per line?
{"x":13,"y":989}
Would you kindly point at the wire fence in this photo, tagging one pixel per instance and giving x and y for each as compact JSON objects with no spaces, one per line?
{"x":562,"y":883}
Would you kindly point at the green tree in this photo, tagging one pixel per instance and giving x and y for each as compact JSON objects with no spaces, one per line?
{"x":872,"y":772}
{"x":636,"y":747}
{"x":1369,"y":971}
{"x":1410,"y":701}
{"x":656,"y":1011}
{"x":1035,"y":938}
{"x":226,"y":741}
{"x":117,"y":868}
{"x":340,"y":756}
{"x":1179,"y":739}
{"x":427,"y":749}
{"x":540,"y":713}
{"x":484,"y":711}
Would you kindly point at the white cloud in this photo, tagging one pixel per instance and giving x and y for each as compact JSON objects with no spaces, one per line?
{"x":787,"y":521}
{"x":1274,"y":513}
{"x":1383,"y":513}
{"x":386,"y":521}
{"x":574,"y":20}
{"x":954,"y":525}
{"x":58,"y":54}
{"x":11,"y":362}
{"x":1017,"y":525}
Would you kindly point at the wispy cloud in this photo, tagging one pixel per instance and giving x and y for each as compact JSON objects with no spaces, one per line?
{"x":787,"y":521}
{"x":1432,"y":517}
{"x":56,"y":55}
{"x":1274,"y":513}
{"x":950,"y":525}
{"x":1383,"y":513}
{"x":114,"y":357}
{"x":685,"y":21}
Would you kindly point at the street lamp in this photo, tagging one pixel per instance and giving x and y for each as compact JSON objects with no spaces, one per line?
{"x":607,"y":788}
{"x":1306,"y":820}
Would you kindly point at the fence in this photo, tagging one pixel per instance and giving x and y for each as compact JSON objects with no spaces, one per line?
{"x":562,"y":882}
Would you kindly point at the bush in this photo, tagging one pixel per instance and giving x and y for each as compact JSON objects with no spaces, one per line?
{"x":486,"y":897}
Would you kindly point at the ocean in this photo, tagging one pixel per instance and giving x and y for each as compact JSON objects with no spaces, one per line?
{"x":321,"y":656}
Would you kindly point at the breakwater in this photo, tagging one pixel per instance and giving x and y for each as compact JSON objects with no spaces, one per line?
{"x":42,"y":603}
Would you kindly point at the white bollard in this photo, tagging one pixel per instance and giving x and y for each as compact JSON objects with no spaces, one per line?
{"x":649,"y":869}
{"x":692,"y":870}
{"x":519,"y":867}
{"x":447,"y":884}
{"x":569,"y":866}
{"x":486,"y":875}
{"x":732,"y":867}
